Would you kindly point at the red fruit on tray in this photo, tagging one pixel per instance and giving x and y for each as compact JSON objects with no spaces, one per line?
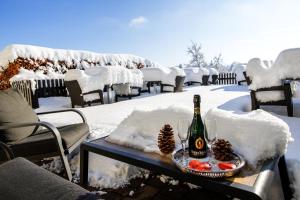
{"x":201,"y":166}
{"x":226,"y":165}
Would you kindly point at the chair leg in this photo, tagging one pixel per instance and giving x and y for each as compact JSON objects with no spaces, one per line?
{"x":65,"y":162}
{"x":285,"y":181}
{"x":290,"y":109}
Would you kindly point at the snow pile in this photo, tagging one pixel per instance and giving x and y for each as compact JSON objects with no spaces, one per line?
{"x":163,"y":74}
{"x":116,"y":75}
{"x":195,"y":74}
{"x":80,"y":59}
{"x":256,"y":135}
{"x":86,"y":82}
{"x":238,"y":69}
{"x":141,"y":128}
{"x":263,"y":75}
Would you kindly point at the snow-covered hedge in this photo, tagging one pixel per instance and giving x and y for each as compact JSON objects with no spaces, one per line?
{"x":13,"y":57}
{"x":287,"y":65}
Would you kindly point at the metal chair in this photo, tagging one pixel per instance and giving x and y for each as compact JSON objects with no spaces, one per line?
{"x":20,"y":129}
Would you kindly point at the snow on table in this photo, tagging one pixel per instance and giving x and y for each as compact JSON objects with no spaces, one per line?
{"x":103,"y":119}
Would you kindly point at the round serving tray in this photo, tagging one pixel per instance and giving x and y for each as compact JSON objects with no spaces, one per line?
{"x":215,"y":171}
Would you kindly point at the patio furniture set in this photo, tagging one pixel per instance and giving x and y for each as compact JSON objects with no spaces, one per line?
{"x":21,"y":135}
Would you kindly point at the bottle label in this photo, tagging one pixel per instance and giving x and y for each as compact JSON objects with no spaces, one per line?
{"x":197,"y":110}
{"x":198,"y":153}
{"x":199,"y":143}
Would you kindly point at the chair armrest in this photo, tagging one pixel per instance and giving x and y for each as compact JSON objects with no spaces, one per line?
{"x":65,"y":110}
{"x":53,"y":130}
{"x":7,"y":150}
{"x":92,"y":92}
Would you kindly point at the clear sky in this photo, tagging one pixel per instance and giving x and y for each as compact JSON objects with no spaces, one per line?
{"x":159,"y":30}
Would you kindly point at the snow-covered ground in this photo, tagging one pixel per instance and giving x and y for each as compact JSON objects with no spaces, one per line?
{"x":103,"y":119}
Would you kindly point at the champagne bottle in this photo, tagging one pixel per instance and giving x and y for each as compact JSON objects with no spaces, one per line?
{"x":197,"y":143}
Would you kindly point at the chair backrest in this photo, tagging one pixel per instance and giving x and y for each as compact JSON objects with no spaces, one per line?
{"x":248,"y":80}
{"x":214,"y":79}
{"x":15,"y":109}
{"x":75,"y":92}
{"x":205,"y":79}
{"x":122,"y":89}
{"x":179,"y":82}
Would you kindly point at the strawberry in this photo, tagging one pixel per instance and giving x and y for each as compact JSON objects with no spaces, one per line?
{"x":201,"y":166}
{"x":226,"y":165}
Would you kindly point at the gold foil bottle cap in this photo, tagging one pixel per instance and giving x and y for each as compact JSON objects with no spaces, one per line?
{"x":197,"y":98}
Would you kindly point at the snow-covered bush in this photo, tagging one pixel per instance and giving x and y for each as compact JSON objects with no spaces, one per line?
{"x":13,"y":57}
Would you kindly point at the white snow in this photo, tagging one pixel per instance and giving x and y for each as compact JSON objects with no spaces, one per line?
{"x":104,"y":119}
{"x":86,"y":82}
{"x":256,"y":135}
{"x":212,"y":71}
{"x":141,"y":128}
{"x":195,"y":74}
{"x":263,"y":74}
{"x":117,"y":75}
{"x":11,"y":52}
{"x":25,"y":74}
{"x":239,"y":68}
{"x":163,"y":74}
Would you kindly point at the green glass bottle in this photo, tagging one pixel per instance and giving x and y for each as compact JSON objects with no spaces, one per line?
{"x":197,"y":143}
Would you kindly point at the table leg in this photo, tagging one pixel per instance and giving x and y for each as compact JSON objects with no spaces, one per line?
{"x":84,"y":167}
{"x":285,"y":181}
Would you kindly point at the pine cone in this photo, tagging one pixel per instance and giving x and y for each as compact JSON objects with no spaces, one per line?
{"x":222,"y":150}
{"x":166,"y":141}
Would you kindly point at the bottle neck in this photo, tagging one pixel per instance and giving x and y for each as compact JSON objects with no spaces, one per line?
{"x":197,"y":109}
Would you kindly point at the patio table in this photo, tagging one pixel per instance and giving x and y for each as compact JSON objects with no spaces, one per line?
{"x":247,"y":184}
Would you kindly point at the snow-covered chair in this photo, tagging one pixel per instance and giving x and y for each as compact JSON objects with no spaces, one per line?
{"x":214,"y":74}
{"x":196,"y":75}
{"x":239,"y":69}
{"x":83,"y":88}
{"x":173,"y":81}
{"x":125,"y":91}
{"x":265,"y":89}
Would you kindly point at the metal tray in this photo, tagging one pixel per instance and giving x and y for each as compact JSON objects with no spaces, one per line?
{"x":215,"y":171}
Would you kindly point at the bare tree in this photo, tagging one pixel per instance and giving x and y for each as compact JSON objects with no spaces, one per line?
{"x":197,"y":56}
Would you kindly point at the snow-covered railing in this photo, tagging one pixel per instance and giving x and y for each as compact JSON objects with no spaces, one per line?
{"x":25,"y":87}
{"x":34,"y":89}
{"x":227,"y":79}
{"x":50,"y":87}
